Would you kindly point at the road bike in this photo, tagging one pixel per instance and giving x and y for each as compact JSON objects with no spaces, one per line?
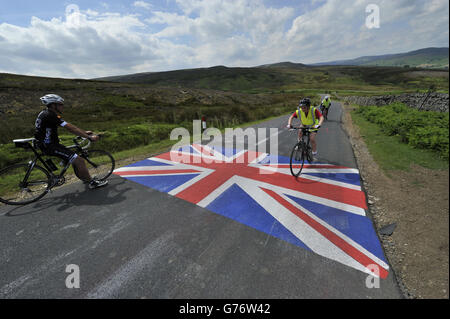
{"x":301,"y":152}
{"x":22,"y":184}
{"x":324,"y":110}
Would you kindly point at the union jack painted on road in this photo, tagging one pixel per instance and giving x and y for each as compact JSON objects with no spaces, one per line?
{"x":324,"y":210}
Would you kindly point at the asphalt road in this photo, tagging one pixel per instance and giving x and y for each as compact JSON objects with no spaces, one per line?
{"x":130,"y":241}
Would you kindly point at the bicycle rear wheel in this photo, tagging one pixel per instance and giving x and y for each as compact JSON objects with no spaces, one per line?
{"x":16,"y":189}
{"x":99,"y":163}
{"x":297,"y":159}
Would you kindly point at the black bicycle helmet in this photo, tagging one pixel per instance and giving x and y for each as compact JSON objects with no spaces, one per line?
{"x":305,"y":102}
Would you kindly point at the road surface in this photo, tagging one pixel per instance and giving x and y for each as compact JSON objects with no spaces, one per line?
{"x":128,"y":240}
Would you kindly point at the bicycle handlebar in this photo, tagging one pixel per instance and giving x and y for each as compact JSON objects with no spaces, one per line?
{"x":82,"y":139}
{"x":78,"y":140}
{"x":309,"y":129}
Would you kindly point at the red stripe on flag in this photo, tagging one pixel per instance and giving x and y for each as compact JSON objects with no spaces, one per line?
{"x":195,"y":193}
{"x":156,"y":172}
{"x":324,"y":190}
{"x":350,"y":250}
{"x":306,"y":166}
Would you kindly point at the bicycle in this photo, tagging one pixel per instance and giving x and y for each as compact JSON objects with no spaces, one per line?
{"x":324,"y":110}
{"x":22,"y":184}
{"x":301,"y":152}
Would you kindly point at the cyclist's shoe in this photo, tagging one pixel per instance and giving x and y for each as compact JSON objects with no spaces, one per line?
{"x":314,"y":157}
{"x":96,"y":184}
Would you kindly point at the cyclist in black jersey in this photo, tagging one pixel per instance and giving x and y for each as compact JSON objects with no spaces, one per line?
{"x":46,"y":134}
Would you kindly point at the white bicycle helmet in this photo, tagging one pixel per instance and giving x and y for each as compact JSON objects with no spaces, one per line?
{"x":51,"y":98}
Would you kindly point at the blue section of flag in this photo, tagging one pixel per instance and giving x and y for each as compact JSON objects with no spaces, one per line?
{"x":273,"y":159}
{"x":358,"y":228}
{"x":162,"y":183}
{"x":348,"y":178}
{"x":236,"y":204}
{"x":186,"y":149}
{"x":227,"y":151}
{"x":148,"y":162}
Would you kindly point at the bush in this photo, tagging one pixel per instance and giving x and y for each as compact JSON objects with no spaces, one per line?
{"x":132,"y":136}
{"x":435,"y":138}
{"x":420,"y":129}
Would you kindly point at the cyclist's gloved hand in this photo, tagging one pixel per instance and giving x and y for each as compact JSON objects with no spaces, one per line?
{"x":289,"y":126}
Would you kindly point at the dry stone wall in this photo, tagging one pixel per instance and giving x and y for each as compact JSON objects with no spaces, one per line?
{"x":435,"y":102}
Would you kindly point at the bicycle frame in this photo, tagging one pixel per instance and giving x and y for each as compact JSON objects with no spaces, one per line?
{"x":305,"y":134}
{"x":38,"y":157}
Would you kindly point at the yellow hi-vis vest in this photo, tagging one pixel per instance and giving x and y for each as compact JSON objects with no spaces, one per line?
{"x":326,"y":103}
{"x":309,"y":120}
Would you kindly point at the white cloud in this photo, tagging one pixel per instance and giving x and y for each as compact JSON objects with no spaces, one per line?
{"x":212,"y":32}
{"x":226,"y":32}
{"x":336,"y":29}
{"x":94,"y":44}
{"x":142,"y":4}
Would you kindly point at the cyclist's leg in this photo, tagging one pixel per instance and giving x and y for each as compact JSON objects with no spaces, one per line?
{"x":300,"y":134}
{"x":312,"y":138}
{"x":69,"y":156}
{"x":82,"y":172}
{"x":80,"y":169}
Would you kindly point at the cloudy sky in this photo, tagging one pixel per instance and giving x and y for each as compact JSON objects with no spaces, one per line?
{"x":87,"y":39}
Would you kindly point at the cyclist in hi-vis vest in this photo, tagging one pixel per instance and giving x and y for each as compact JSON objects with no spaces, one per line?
{"x":325,"y":106}
{"x":309,"y":116}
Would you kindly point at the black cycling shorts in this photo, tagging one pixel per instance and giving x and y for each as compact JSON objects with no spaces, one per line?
{"x":60,"y":151}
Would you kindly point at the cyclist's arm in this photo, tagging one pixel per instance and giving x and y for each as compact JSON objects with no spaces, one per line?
{"x":290,"y":119}
{"x":79,"y":132}
{"x":318,"y":114}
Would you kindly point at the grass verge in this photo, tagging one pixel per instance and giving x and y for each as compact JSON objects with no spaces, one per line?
{"x":390,"y":153}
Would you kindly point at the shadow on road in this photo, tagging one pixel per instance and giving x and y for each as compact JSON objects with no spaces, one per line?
{"x":82,"y":196}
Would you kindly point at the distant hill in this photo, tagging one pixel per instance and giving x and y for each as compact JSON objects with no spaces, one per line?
{"x":424,"y":58}
{"x":283,"y":74}
{"x":284,"y":65}
{"x":217,"y":77}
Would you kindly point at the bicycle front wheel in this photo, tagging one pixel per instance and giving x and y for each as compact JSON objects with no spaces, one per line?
{"x":297,"y":159}
{"x":18,"y":187}
{"x":99,"y":163}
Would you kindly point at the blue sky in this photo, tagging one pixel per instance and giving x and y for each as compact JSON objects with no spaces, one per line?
{"x":87,"y":39}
